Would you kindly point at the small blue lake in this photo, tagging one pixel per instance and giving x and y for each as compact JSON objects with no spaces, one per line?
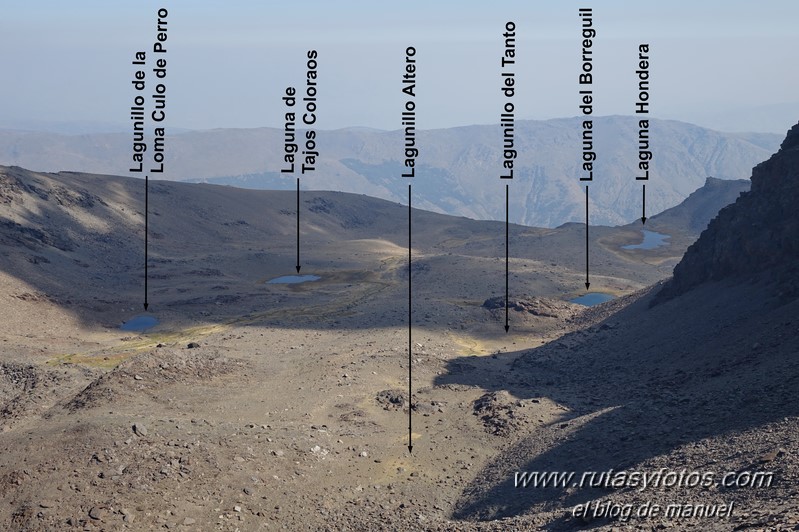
{"x":591,"y":298}
{"x":293,"y":279}
{"x":652,"y":240}
{"x":139,"y":323}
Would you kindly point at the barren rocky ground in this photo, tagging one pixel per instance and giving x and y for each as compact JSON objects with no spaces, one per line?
{"x":290,"y":409}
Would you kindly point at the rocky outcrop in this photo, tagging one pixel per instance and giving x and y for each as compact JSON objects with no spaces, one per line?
{"x":758,"y":233}
{"x":536,"y":306}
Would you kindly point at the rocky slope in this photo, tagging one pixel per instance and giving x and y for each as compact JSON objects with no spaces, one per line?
{"x":701,"y":382}
{"x":254,"y":406}
{"x":289,"y":410}
{"x":758,"y":233}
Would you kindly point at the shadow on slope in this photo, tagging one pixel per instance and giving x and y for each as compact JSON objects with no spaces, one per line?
{"x":636,"y":386}
{"x":77,"y":240}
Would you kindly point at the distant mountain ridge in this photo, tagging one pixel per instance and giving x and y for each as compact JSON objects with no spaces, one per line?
{"x":693,"y":214}
{"x":458,"y":169}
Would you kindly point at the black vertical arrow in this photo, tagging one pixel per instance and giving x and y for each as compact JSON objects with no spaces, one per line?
{"x":643,"y":213}
{"x":298,"y":225}
{"x":587,"y":282}
{"x":507,"y":225}
{"x":146,"y":231}
{"x":410,"y":327}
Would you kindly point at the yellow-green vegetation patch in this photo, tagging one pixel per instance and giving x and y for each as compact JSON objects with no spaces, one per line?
{"x":109,"y":361}
{"x":111,"y":357}
{"x":471,"y":346}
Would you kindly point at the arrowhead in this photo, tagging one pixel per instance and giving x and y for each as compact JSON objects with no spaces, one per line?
{"x":410,"y":448}
{"x":643,"y":219}
{"x":298,"y":268}
{"x":507,"y":327}
{"x":146,"y":305}
{"x":587,"y":285}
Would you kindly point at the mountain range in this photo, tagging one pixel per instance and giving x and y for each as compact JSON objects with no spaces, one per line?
{"x":458,"y":170}
{"x":248,"y":404}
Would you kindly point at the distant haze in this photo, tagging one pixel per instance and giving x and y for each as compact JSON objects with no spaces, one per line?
{"x":458,"y":171}
{"x":725,"y":65}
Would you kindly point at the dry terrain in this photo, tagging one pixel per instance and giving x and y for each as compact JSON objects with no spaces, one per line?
{"x":256,"y":406}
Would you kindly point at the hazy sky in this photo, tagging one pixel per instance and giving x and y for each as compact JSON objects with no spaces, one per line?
{"x":726,"y":63}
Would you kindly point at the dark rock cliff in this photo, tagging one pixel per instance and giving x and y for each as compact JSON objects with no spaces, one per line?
{"x":756,"y":234}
